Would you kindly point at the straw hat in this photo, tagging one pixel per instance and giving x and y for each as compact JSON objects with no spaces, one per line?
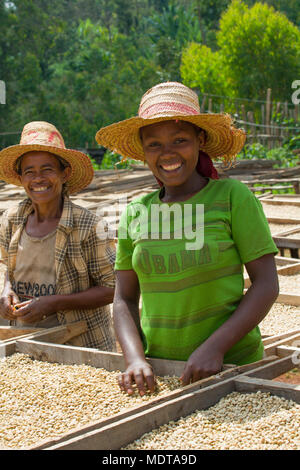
{"x":39,"y":135}
{"x":173,"y":100}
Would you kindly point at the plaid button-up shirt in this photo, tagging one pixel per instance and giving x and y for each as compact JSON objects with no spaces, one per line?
{"x":82,"y":260}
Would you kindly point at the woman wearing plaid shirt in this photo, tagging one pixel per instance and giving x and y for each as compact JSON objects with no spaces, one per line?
{"x":58,"y":269}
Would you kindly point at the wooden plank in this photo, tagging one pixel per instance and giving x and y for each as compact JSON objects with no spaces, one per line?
{"x":284,"y":390}
{"x":61,"y":334}
{"x":283,"y":261}
{"x":272,"y":188}
{"x":236,"y":370}
{"x":262,"y":165}
{"x":274,"y":181}
{"x":271,"y":348}
{"x":268,"y":111}
{"x":203,"y":103}
{"x":70,"y":354}
{"x":274,"y":338}
{"x":8,"y":332}
{"x":77,"y":355}
{"x":9,"y":340}
{"x":288,"y":299}
{"x":7,"y":348}
{"x":283,"y":220}
{"x":108,"y":360}
{"x":264,"y":195}
{"x":289,"y":232}
{"x":290,"y":269}
{"x":121,"y":433}
{"x":285,"y":351}
{"x":279,"y":202}
{"x":274,"y":369}
{"x":282,"y":242}
{"x":295,"y":197}
{"x":285,"y":236}
{"x":240,"y":369}
{"x":283,"y":269}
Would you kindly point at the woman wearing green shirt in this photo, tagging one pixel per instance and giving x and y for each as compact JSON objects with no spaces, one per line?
{"x":193,"y":305}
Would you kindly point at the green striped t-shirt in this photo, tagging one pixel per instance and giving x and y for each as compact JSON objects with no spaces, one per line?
{"x":190,"y":289}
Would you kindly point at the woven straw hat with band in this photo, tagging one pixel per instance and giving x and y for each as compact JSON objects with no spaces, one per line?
{"x":173,"y":100}
{"x":42,"y":136}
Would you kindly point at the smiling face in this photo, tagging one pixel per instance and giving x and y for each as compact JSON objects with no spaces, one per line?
{"x":42,"y":176}
{"x":171,"y":151}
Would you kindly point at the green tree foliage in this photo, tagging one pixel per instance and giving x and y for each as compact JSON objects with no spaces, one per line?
{"x":33,"y":43}
{"x":177,"y":23}
{"x":77,"y":74}
{"x":99,"y":81}
{"x":290,"y":8}
{"x":259,"y":48}
{"x":202,"y":68}
{"x":84,"y":64}
{"x":170,"y":30}
{"x":208,"y":13}
{"x":6,"y":22}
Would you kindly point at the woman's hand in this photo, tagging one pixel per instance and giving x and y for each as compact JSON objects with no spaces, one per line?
{"x":129,"y":334}
{"x":7,"y":302}
{"x":140,"y":373}
{"x":33,"y":311}
{"x":203,"y":362}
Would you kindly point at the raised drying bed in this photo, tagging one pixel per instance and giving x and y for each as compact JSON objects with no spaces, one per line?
{"x":8,"y":333}
{"x":284,"y":266}
{"x":43,"y":347}
{"x":59,"y":335}
{"x":127,"y":429}
{"x":119,"y":429}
